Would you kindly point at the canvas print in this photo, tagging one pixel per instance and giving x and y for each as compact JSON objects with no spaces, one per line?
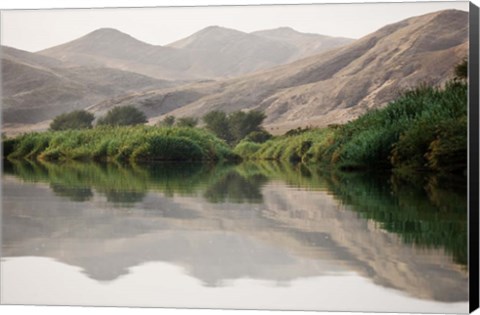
{"x":284,"y":157}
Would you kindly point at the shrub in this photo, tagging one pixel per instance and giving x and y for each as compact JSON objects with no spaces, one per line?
{"x":217,"y":122}
{"x":123,"y":116}
{"x":424,"y":129}
{"x":259,"y":136}
{"x":235,"y":126}
{"x":246,"y":149}
{"x":122,"y":144}
{"x":168,"y":121}
{"x":79,"y":119}
{"x":187,"y":122}
{"x":461,"y":70}
{"x":160,"y":148}
{"x":243,"y":123}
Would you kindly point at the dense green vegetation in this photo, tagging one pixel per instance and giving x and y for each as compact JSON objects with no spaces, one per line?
{"x":170,"y":121}
{"x":424,"y":130}
{"x":187,"y":122}
{"x":123,"y":116}
{"x":461,"y":70}
{"x":137,"y":143}
{"x":79,"y":119}
{"x":234,"y":126}
{"x":167,"y":121}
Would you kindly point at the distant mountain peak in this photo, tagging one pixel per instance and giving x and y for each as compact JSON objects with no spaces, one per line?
{"x":206,"y":35}
{"x":106,"y":30}
{"x":108,"y":33}
{"x":282,"y":29}
{"x":216,"y":29}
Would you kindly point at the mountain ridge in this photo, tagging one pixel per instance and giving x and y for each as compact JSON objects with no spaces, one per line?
{"x":338,"y":85}
{"x":331,"y":87}
{"x":210,"y":53}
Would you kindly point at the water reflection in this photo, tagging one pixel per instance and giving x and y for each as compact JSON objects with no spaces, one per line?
{"x":264,"y":221}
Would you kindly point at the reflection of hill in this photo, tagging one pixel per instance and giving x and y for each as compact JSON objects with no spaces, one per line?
{"x":376,"y":254}
{"x":290,"y":232}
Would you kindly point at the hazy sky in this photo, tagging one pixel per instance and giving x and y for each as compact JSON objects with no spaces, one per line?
{"x":33,"y":30}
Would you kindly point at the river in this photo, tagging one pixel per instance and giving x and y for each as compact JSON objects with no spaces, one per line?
{"x":247,"y":236}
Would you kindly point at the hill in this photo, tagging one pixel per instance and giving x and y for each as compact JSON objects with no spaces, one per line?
{"x":306,"y":44}
{"x":213,"y":52}
{"x":335,"y":86}
{"x":36,"y":88}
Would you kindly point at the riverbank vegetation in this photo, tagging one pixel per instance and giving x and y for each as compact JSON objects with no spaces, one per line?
{"x":423,"y":130}
{"x":133,"y":143}
{"x":235,"y":126}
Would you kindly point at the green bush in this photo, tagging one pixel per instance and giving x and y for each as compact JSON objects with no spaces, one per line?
{"x":167,"y":121}
{"x":235,"y":126}
{"x":79,"y":119}
{"x":158,"y":148}
{"x":259,"y":136}
{"x":424,"y":129}
{"x":121,"y":144}
{"x":449,"y":149}
{"x":187,"y":122}
{"x":246,"y":149}
{"x":123,"y":116}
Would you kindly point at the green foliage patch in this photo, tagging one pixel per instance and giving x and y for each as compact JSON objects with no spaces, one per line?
{"x":424,"y":130}
{"x":79,"y":119}
{"x":123,"y":116}
{"x":136,"y":143}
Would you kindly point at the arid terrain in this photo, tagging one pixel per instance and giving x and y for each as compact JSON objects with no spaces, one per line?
{"x":297,"y":79}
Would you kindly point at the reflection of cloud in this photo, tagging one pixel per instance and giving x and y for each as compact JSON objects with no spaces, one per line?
{"x":28,"y":280}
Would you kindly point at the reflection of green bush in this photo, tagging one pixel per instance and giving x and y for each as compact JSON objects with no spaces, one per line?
{"x":121,"y":144}
{"x":428,"y":212}
{"x":113,"y":178}
{"x":233,"y":187}
{"x":79,"y":194}
{"x":123,"y":183}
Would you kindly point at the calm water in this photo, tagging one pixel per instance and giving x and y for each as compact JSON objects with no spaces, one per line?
{"x":245,"y":236}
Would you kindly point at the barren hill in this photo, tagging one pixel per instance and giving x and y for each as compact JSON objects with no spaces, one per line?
{"x":213,"y":52}
{"x":332,"y":87}
{"x":335,"y":86}
{"x":305,"y":43}
{"x":36,"y":88}
{"x":111,"y":48}
{"x":221,"y":52}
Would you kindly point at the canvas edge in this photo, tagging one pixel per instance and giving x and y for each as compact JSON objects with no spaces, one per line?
{"x":473,"y":158}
